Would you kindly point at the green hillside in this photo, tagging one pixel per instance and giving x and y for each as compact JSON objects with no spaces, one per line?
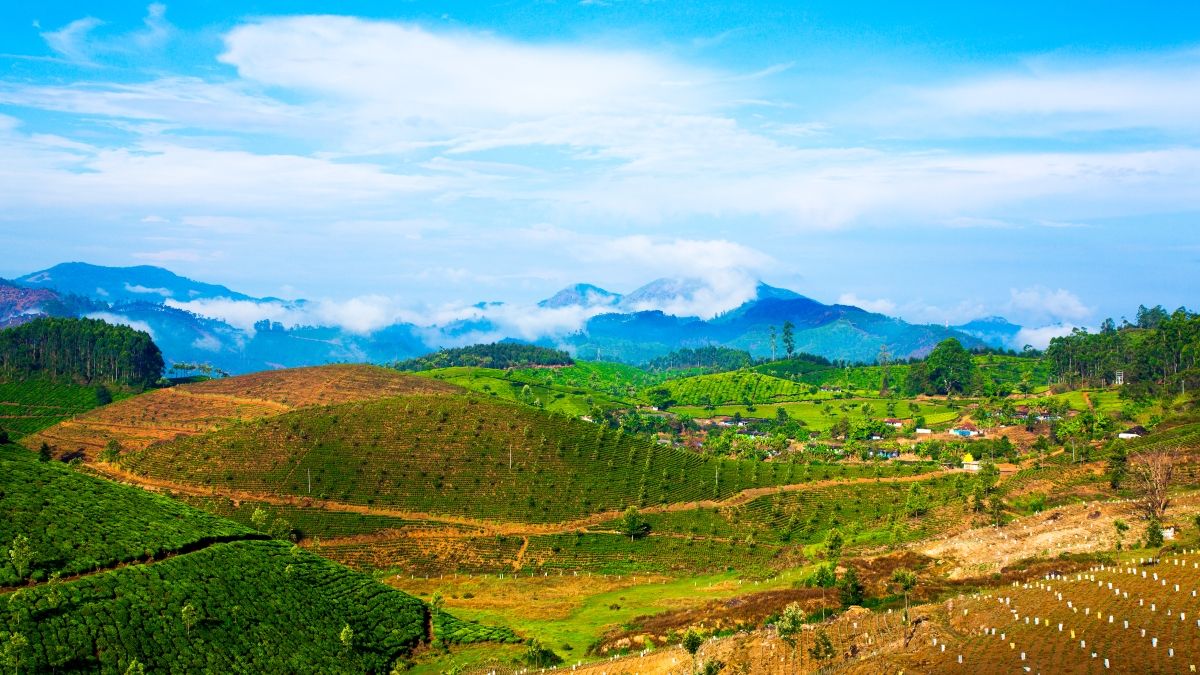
{"x":455,"y":456}
{"x":535,"y":387}
{"x":200,"y":593}
{"x":75,"y":523}
{"x":28,"y":406}
{"x":740,"y":386}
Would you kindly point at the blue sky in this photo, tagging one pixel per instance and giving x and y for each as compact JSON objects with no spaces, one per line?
{"x":939,"y":161}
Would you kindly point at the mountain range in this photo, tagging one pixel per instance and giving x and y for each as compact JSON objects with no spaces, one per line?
{"x":633,"y":328}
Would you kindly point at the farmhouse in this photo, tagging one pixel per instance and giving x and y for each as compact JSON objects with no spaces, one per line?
{"x":1133,"y":432}
{"x":924,"y":432}
{"x":893,"y":422}
{"x":966,"y":430}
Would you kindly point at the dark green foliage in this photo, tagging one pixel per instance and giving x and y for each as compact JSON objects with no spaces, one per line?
{"x":103,"y":395}
{"x":709,"y":359}
{"x":1154,"y":535}
{"x":76,"y":523}
{"x":85,"y":350}
{"x":948,"y":369}
{"x":28,"y":406}
{"x":822,"y":648}
{"x":258,"y":606}
{"x":497,"y":355}
{"x":1157,"y":354}
{"x":452,"y":631}
{"x":851,"y":589}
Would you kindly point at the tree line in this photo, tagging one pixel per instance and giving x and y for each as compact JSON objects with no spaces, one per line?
{"x":1156,"y":355}
{"x":79,"y":350}
{"x":495,"y":355}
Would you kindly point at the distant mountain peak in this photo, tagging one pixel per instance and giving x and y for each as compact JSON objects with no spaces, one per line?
{"x":581,"y":295}
{"x":124,"y":284}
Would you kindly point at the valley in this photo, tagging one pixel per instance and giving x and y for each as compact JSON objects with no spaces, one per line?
{"x":592,"y":514}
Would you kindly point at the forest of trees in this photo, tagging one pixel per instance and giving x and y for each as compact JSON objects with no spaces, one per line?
{"x":1157,"y":354}
{"x":496,"y":355}
{"x":713,"y":358}
{"x":80,"y":350}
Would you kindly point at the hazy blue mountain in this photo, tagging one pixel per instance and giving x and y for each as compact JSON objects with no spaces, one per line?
{"x":632,"y":328}
{"x":581,"y":295}
{"x":996,"y":331}
{"x":124,"y":284}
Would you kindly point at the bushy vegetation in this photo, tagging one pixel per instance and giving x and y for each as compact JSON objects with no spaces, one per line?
{"x":496,"y":355}
{"x":741,"y":387}
{"x":710,"y":359}
{"x":537,"y":387}
{"x":260,"y":606}
{"x":72,"y":523}
{"x":1156,"y":354}
{"x":83,"y":350}
{"x":28,"y":406}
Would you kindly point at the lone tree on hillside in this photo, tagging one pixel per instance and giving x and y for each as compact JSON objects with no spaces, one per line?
{"x":1121,"y":527}
{"x":190,"y":617}
{"x":1153,"y":472}
{"x":950,"y":368}
{"x":632,"y":524}
{"x":346,"y":637}
{"x":851,"y":588}
{"x":21,"y":555}
{"x":14,"y":647}
{"x":789,"y":338}
{"x":691,"y":644}
{"x":906,"y":580}
{"x":790,"y":625}
{"x":822,"y":646}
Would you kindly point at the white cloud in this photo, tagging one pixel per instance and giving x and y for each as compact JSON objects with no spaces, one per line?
{"x":76,"y":41}
{"x":880,"y":306}
{"x":409,"y":74}
{"x":121,"y":320}
{"x":1039,"y":338}
{"x":137,"y":288}
{"x":1038,"y":305}
{"x":208,"y":343}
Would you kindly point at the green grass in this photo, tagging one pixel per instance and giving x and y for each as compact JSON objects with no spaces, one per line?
{"x":76,"y":523}
{"x":533,"y":387}
{"x":814,"y":416}
{"x":28,"y":406}
{"x":593,"y":613}
{"x":737,"y":387}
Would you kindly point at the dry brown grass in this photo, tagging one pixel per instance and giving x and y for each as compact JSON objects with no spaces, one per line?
{"x":165,"y":414}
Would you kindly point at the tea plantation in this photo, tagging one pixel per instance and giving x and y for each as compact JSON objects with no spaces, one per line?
{"x":460,"y":456}
{"x":32,"y":405}
{"x":209,"y":595}
{"x":75,"y":523}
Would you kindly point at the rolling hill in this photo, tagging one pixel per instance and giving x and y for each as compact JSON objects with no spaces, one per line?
{"x":165,"y":414}
{"x":149,"y":584}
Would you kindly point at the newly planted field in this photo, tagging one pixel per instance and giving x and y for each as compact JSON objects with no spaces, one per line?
{"x":28,"y":406}
{"x":457,"y":456}
{"x":73,"y":523}
{"x":165,"y":414}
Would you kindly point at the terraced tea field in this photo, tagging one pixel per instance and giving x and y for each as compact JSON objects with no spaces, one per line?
{"x":166,"y":414}
{"x":531,"y":386}
{"x":738,"y":387}
{"x":27,"y":407}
